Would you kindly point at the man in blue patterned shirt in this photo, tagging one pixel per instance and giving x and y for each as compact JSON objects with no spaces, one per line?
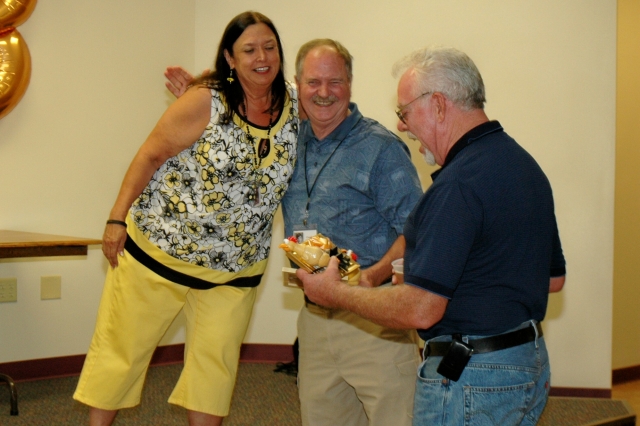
{"x":354,"y":182}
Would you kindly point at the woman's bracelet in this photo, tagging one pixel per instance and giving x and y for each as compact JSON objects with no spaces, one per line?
{"x":116,"y":222}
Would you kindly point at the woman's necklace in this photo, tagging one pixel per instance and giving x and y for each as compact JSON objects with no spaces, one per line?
{"x":260,"y":150}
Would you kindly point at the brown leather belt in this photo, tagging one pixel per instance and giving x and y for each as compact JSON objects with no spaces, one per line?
{"x":493,"y":343}
{"x":308,"y":302}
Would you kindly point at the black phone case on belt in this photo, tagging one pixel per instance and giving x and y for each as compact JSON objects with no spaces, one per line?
{"x":455,"y":360}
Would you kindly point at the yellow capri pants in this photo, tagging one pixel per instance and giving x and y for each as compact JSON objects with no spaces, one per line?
{"x":136,"y":309}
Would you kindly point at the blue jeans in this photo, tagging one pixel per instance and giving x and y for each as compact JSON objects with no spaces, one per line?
{"x":507,"y":387}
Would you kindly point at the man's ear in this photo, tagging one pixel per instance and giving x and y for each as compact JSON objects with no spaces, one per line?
{"x":440,"y":105}
{"x":301,"y":112}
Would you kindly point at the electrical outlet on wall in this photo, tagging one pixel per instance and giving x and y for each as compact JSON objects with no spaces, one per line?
{"x":8,"y":289}
{"x":50,"y":287}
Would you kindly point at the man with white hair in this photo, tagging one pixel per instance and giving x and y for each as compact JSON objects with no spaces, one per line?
{"x":482,"y":254}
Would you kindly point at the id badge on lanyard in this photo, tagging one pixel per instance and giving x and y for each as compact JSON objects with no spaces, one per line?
{"x":304,"y":232}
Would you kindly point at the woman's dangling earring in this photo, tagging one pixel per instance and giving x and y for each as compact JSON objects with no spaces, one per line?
{"x":230,"y":78}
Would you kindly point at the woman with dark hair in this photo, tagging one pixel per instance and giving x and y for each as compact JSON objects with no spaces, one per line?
{"x":191,"y":229}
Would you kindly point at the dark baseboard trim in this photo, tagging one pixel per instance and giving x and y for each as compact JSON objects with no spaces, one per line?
{"x":51,"y":368}
{"x":580,"y":392}
{"x":627,"y":374}
{"x":46,"y":368}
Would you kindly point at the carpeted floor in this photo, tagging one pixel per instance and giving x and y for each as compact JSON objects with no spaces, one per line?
{"x":261,"y":398}
{"x":586,"y":411}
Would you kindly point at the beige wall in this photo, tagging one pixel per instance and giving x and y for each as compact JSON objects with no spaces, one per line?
{"x":549,"y":68}
{"x":96,"y":91}
{"x":626,"y":291}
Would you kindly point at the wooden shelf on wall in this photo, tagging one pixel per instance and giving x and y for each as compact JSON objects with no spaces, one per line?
{"x":28,"y":244}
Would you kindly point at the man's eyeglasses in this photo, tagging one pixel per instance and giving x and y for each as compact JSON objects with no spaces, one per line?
{"x":402,"y":107}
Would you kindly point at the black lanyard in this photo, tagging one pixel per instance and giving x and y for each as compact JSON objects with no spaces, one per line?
{"x":306,"y":180}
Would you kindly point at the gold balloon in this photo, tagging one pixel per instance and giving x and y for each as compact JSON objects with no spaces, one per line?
{"x":15,"y":12}
{"x":15,"y":69}
{"x":15,"y":61}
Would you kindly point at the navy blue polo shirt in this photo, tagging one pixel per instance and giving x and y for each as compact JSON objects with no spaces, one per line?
{"x":485,"y":237}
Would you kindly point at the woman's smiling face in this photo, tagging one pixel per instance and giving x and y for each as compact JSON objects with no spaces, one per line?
{"x":256,"y":58}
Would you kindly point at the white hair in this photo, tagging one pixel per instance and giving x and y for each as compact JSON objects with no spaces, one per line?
{"x":448,"y":71}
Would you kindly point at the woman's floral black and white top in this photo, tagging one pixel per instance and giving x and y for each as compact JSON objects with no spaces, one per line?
{"x":213,"y":204}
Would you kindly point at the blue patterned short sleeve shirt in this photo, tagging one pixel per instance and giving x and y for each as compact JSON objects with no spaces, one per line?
{"x":360,"y":183}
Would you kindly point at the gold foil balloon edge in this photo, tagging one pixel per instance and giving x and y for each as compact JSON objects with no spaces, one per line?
{"x":15,"y":60}
{"x":15,"y":12}
{"x":15,"y":70}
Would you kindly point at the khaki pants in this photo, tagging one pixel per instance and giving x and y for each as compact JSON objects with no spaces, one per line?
{"x":353,"y":372}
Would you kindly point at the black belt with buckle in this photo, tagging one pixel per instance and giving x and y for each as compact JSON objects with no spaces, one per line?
{"x":493,"y":343}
